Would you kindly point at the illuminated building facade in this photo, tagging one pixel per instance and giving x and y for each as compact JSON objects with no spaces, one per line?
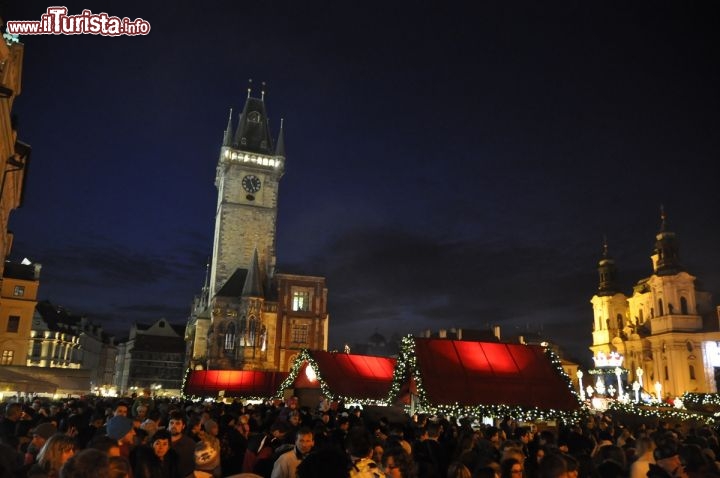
{"x":17,"y":305}
{"x":248,"y":316}
{"x":668,"y":330}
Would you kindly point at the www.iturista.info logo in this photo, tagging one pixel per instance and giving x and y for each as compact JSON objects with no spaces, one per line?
{"x":56,"y":21}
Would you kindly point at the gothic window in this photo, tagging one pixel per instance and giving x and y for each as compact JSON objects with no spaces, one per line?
{"x":299,"y":334}
{"x":301,"y":301}
{"x":692,"y":372}
{"x":683,"y":306}
{"x":230,"y":337}
{"x":660,"y":308}
{"x":243,"y":331}
{"x":252,"y":330}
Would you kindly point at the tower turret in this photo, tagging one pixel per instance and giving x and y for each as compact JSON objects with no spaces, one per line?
{"x":607,"y":273}
{"x":666,"y":254}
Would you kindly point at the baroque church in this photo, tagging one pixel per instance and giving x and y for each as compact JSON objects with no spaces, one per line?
{"x":248,"y":316}
{"x":667,"y":331}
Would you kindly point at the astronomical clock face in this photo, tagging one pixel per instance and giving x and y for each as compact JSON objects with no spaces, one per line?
{"x":251,"y":183}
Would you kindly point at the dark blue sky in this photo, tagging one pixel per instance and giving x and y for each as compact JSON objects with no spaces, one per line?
{"x":449,"y":165}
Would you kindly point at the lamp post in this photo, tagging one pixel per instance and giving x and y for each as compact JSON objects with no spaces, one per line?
{"x":658,"y":390}
{"x":636,"y":389}
{"x":618,"y":374}
{"x":582,"y":392}
{"x":639,"y":373}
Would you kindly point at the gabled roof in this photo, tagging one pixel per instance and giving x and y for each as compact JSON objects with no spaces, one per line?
{"x":235,"y":383}
{"x":471,"y":374}
{"x":233,"y":287}
{"x":343,"y":376}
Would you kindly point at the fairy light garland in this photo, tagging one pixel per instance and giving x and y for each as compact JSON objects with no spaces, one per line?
{"x":660,"y":412}
{"x":305,"y":356}
{"x":407,"y":368}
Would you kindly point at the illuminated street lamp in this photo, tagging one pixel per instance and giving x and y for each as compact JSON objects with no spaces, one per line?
{"x":658,"y":391}
{"x":636,"y":389}
{"x":582,"y":392}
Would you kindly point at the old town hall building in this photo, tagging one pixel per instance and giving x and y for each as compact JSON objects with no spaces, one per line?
{"x":248,"y":316}
{"x":667,"y":330}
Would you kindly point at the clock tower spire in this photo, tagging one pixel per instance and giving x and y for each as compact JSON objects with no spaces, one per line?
{"x":248,"y":174}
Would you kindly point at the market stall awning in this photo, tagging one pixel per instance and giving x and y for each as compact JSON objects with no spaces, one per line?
{"x":233,"y":383}
{"x":470,"y":373}
{"x":27,"y":383}
{"x":341,"y":375}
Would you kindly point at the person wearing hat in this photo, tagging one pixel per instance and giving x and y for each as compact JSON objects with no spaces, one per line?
{"x":209,"y":437}
{"x":207,"y":461}
{"x":667,"y":458}
{"x":120,"y":428}
{"x":39,"y":434}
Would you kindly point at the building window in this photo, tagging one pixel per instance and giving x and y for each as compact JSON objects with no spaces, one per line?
{"x":683,"y":306}
{"x":692,"y":372}
{"x":301,"y":301}
{"x":299,"y":334}
{"x":19,"y":291}
{"x":7,"y":357}
{"x":230,"y":337}
{"x":13,"y":323}
{"x":661,"y":311}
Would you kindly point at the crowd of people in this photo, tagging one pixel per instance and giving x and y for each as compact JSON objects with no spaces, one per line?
{"x":142,"y":437}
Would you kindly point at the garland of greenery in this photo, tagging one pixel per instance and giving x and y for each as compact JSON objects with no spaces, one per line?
{"x":305,"y":356}
{"x":660,"y":412}
{"x":407,"y":368}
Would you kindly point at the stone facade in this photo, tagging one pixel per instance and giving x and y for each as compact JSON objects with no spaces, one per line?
{"x":667,"y":327}
{"x":248,"y":316}
{"x":18,"y":298}
{"x":151,"y":358}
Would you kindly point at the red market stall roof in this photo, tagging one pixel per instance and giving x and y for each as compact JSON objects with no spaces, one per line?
{"x":467,"y":373}
{"x":234,"y":383}
{"x":343,"y":376}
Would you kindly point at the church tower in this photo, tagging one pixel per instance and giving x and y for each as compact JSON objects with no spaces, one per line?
{"x":609,"y":306}
{"x":248,"y":175}
{"x":667,"y":329}
{"x":248,"y":316}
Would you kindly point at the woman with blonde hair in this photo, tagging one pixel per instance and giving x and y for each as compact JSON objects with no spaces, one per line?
{"x":52,"y":456}
{"x":644,"y":447}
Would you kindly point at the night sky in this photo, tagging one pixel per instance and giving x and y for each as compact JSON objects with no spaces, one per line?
{"x":448,"y":165}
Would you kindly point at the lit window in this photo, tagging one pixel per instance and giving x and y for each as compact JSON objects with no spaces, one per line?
{"x":299,"y":334}
{"x":13,"y":323}
{"x":19,"y":291}
{"x":230,"y":337}
{"x":301,"y":301}
{"x":7,"y":357}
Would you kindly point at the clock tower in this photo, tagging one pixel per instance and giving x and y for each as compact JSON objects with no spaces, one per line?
{"x":248,"y":316}
{"x":248,"y":174}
